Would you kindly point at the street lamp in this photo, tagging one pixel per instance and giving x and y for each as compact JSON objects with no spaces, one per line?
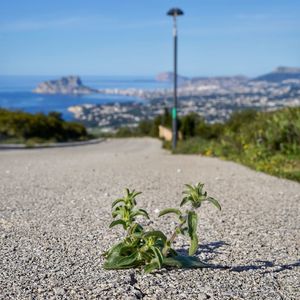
{"x":174,"y":12}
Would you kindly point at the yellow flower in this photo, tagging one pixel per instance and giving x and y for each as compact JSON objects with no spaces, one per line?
{"x":208,"y":152}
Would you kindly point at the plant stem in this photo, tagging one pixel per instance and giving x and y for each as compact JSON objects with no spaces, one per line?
{"x":172,"y":238}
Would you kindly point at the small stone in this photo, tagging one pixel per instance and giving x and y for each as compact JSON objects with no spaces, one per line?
{"x":59,"y":291}
{"x":202,"y":296}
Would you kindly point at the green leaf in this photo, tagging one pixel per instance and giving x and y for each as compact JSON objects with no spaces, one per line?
{"x":173,"y":262}
{"x":146,"y":256}
{"x":194,"y":245}
{"x":190,"y":187}
{"x":127,"y":250}
{"x":214,"y":202}
{"x":136,"y":229}
{"x":192,"y":222}
{"x":192,"y":230}
{"x":180,"y":261}
{"x":122,"y":262}
{"x":158,"y":255}
{"x":134,"y":194}
{"x":170,"y":211}
{"x":155,"y":233}
{"x":185,"y":200}
{"x":199,"y":186}
{"x":114,"y":250}
{"x":119,"y":210}
{"x":117,"y":201}
{"x":118,"y":222}
{"x":140,"y":212}
{"x":151,"y":267}
{"x":194,"y":194}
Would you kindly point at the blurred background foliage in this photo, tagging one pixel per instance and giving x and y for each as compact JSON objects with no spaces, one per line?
{"x":265,"y":141}
{"x":21,"y":127}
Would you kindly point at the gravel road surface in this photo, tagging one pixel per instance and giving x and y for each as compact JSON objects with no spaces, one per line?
{"x":55,"y":211}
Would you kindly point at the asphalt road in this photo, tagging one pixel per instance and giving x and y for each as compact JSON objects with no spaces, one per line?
{"x":55,"y":211}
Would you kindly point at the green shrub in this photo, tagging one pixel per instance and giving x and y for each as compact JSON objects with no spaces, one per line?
{"x":51,"y":127}
{"x":265,"y":141}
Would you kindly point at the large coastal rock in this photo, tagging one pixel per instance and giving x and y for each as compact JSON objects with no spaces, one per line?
{"x":65,"y":85}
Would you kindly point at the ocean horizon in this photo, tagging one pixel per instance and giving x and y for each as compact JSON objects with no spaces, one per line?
{"x":16,"y":92}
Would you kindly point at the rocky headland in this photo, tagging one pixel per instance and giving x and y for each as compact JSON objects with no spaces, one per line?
{"x":65,"y":85}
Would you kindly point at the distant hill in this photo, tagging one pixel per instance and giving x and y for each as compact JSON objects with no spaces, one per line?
{"x":183,"y":80}
{"x":169,"y":76}
{"x":65,"y":85}
{"x":280,"y":74}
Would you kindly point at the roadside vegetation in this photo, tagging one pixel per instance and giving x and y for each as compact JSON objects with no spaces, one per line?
{"x":30,"y":129}
{"x":264,"y":141}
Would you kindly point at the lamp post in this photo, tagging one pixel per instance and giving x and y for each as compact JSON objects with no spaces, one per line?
{"x":174,"y":12}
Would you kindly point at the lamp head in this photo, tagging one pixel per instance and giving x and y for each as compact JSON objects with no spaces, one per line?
{"x":174,"y":12}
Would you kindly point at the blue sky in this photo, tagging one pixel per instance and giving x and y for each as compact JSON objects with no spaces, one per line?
{"x":134,"y":37}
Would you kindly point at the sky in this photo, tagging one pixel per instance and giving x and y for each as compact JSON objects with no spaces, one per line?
{"x":134,"y":37}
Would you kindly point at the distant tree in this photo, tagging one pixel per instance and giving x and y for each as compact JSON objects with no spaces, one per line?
{"x":145,"y":127}
{"x":188,"y":125}
{"x":238,"y":118}
{"x":166,"y":119}
{"x":56,"y":115}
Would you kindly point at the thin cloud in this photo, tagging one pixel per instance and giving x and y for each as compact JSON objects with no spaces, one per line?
{"x":34,"y":25}
{"x":145,"y":24}
{"x":94,"y":22}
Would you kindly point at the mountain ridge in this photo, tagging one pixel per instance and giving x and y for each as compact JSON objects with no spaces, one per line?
{"x":279,"y":74}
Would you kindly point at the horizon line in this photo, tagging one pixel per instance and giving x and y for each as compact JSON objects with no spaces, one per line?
{"x":147,"y":75}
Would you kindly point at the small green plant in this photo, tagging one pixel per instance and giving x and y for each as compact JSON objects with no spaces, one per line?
{"x":151,"y":248}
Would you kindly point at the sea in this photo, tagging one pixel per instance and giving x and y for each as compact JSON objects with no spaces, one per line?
{"x":16,"y":92}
